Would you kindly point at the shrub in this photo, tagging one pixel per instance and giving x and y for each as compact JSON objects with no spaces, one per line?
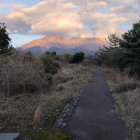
{"x":50,"y":65}
{"x":77,"y":57}
{"x":126,"y":86}
{"x":67,"y":74}
{"x":51,"y":53}
{"x":20,"y":76}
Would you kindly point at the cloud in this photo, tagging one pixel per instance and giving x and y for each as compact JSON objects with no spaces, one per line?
{"x":46,"y":17}
{"x":74,"y":18}
{"x":11,"y":6}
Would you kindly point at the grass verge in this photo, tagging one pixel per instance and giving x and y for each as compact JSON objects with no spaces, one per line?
{"x":126,"y":92}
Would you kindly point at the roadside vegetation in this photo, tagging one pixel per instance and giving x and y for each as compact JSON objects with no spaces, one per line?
{"x":123,"y":53}
{"x":126,"y":92}
{"x":121,"y":63}
{"x":34,"y":90}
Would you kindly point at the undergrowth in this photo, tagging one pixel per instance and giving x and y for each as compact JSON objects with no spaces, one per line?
{"x":126,"y":91}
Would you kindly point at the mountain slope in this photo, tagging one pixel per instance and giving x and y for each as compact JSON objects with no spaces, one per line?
{"x":63,"y":45}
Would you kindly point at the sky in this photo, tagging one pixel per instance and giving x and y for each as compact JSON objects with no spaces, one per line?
{"x":27,"y":20}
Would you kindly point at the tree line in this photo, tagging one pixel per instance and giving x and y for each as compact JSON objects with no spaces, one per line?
{"x":123,"y":52}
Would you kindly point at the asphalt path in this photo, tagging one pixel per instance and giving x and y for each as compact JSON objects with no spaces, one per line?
{"x":93,"y":118}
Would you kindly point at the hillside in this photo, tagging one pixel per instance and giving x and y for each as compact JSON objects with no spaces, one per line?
{"x":63,"y":45}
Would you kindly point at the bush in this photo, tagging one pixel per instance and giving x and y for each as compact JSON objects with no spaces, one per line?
{"x":126,"y":86}
{"x":50,"y":65}
{"x":67,"y":74}
{"x":51,"y":53}
{"x":77,"y":57}
{"x":20,"y":75}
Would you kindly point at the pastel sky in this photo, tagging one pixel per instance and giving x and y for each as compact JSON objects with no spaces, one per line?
{"x":30,"y":19}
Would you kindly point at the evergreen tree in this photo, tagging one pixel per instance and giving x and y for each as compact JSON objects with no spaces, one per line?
{"x":5,"y":46}
{"x":124,"y":51}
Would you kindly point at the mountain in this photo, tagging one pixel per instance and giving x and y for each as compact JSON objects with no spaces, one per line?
{"x":63,"y":45}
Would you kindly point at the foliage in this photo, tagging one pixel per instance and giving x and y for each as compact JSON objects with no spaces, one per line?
{"x":114,"y":40}
{"x":50,"y":65}
{"x":5,"y":46}
{"x":131,"y":39}
{"x":77,"y":57}
{"x":123,"y":52}
{"x":111,"y":57}
{"x":51,"y":53}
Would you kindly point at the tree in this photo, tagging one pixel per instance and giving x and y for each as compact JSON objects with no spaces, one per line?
{"x":54,"y":53}
{"x":5,"y":40}
{"x":114,"y":40}
{"x":114,"y":57}
{"x":131,"y":39}
{"x":51,"y":53}
{"x":77,"y":57}
{"x":126,"y":52}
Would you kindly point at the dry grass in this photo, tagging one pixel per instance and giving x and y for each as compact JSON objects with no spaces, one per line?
{"x":127,"y":95}
{"x":22,"y":74}
{"x":67,"y":83}
{"x":17,"y":111}
{"x":129,"y":107}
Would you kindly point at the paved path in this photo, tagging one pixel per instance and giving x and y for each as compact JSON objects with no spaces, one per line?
{"x":9,"y":136}
{"x":92,"y":119}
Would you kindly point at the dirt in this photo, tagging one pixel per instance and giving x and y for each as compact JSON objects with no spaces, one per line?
{"x":93,"y":118}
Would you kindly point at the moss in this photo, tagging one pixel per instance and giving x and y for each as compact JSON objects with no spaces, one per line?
{"x":51,"y":135}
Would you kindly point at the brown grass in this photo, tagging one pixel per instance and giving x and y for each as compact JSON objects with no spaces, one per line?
{"x":66,"y":85}
{"x":129,"y":108}
{"x":39,"y":111}
{"x":126,"y":91}
{"x":22,"y":74}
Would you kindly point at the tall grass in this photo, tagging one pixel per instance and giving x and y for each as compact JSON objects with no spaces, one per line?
{"x":22,"y":73}
{"x":127,"y":94}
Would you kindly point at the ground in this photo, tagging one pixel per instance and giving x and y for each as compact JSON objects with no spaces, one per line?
{"x":93,"y":118}
{"x":16,"y":112}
